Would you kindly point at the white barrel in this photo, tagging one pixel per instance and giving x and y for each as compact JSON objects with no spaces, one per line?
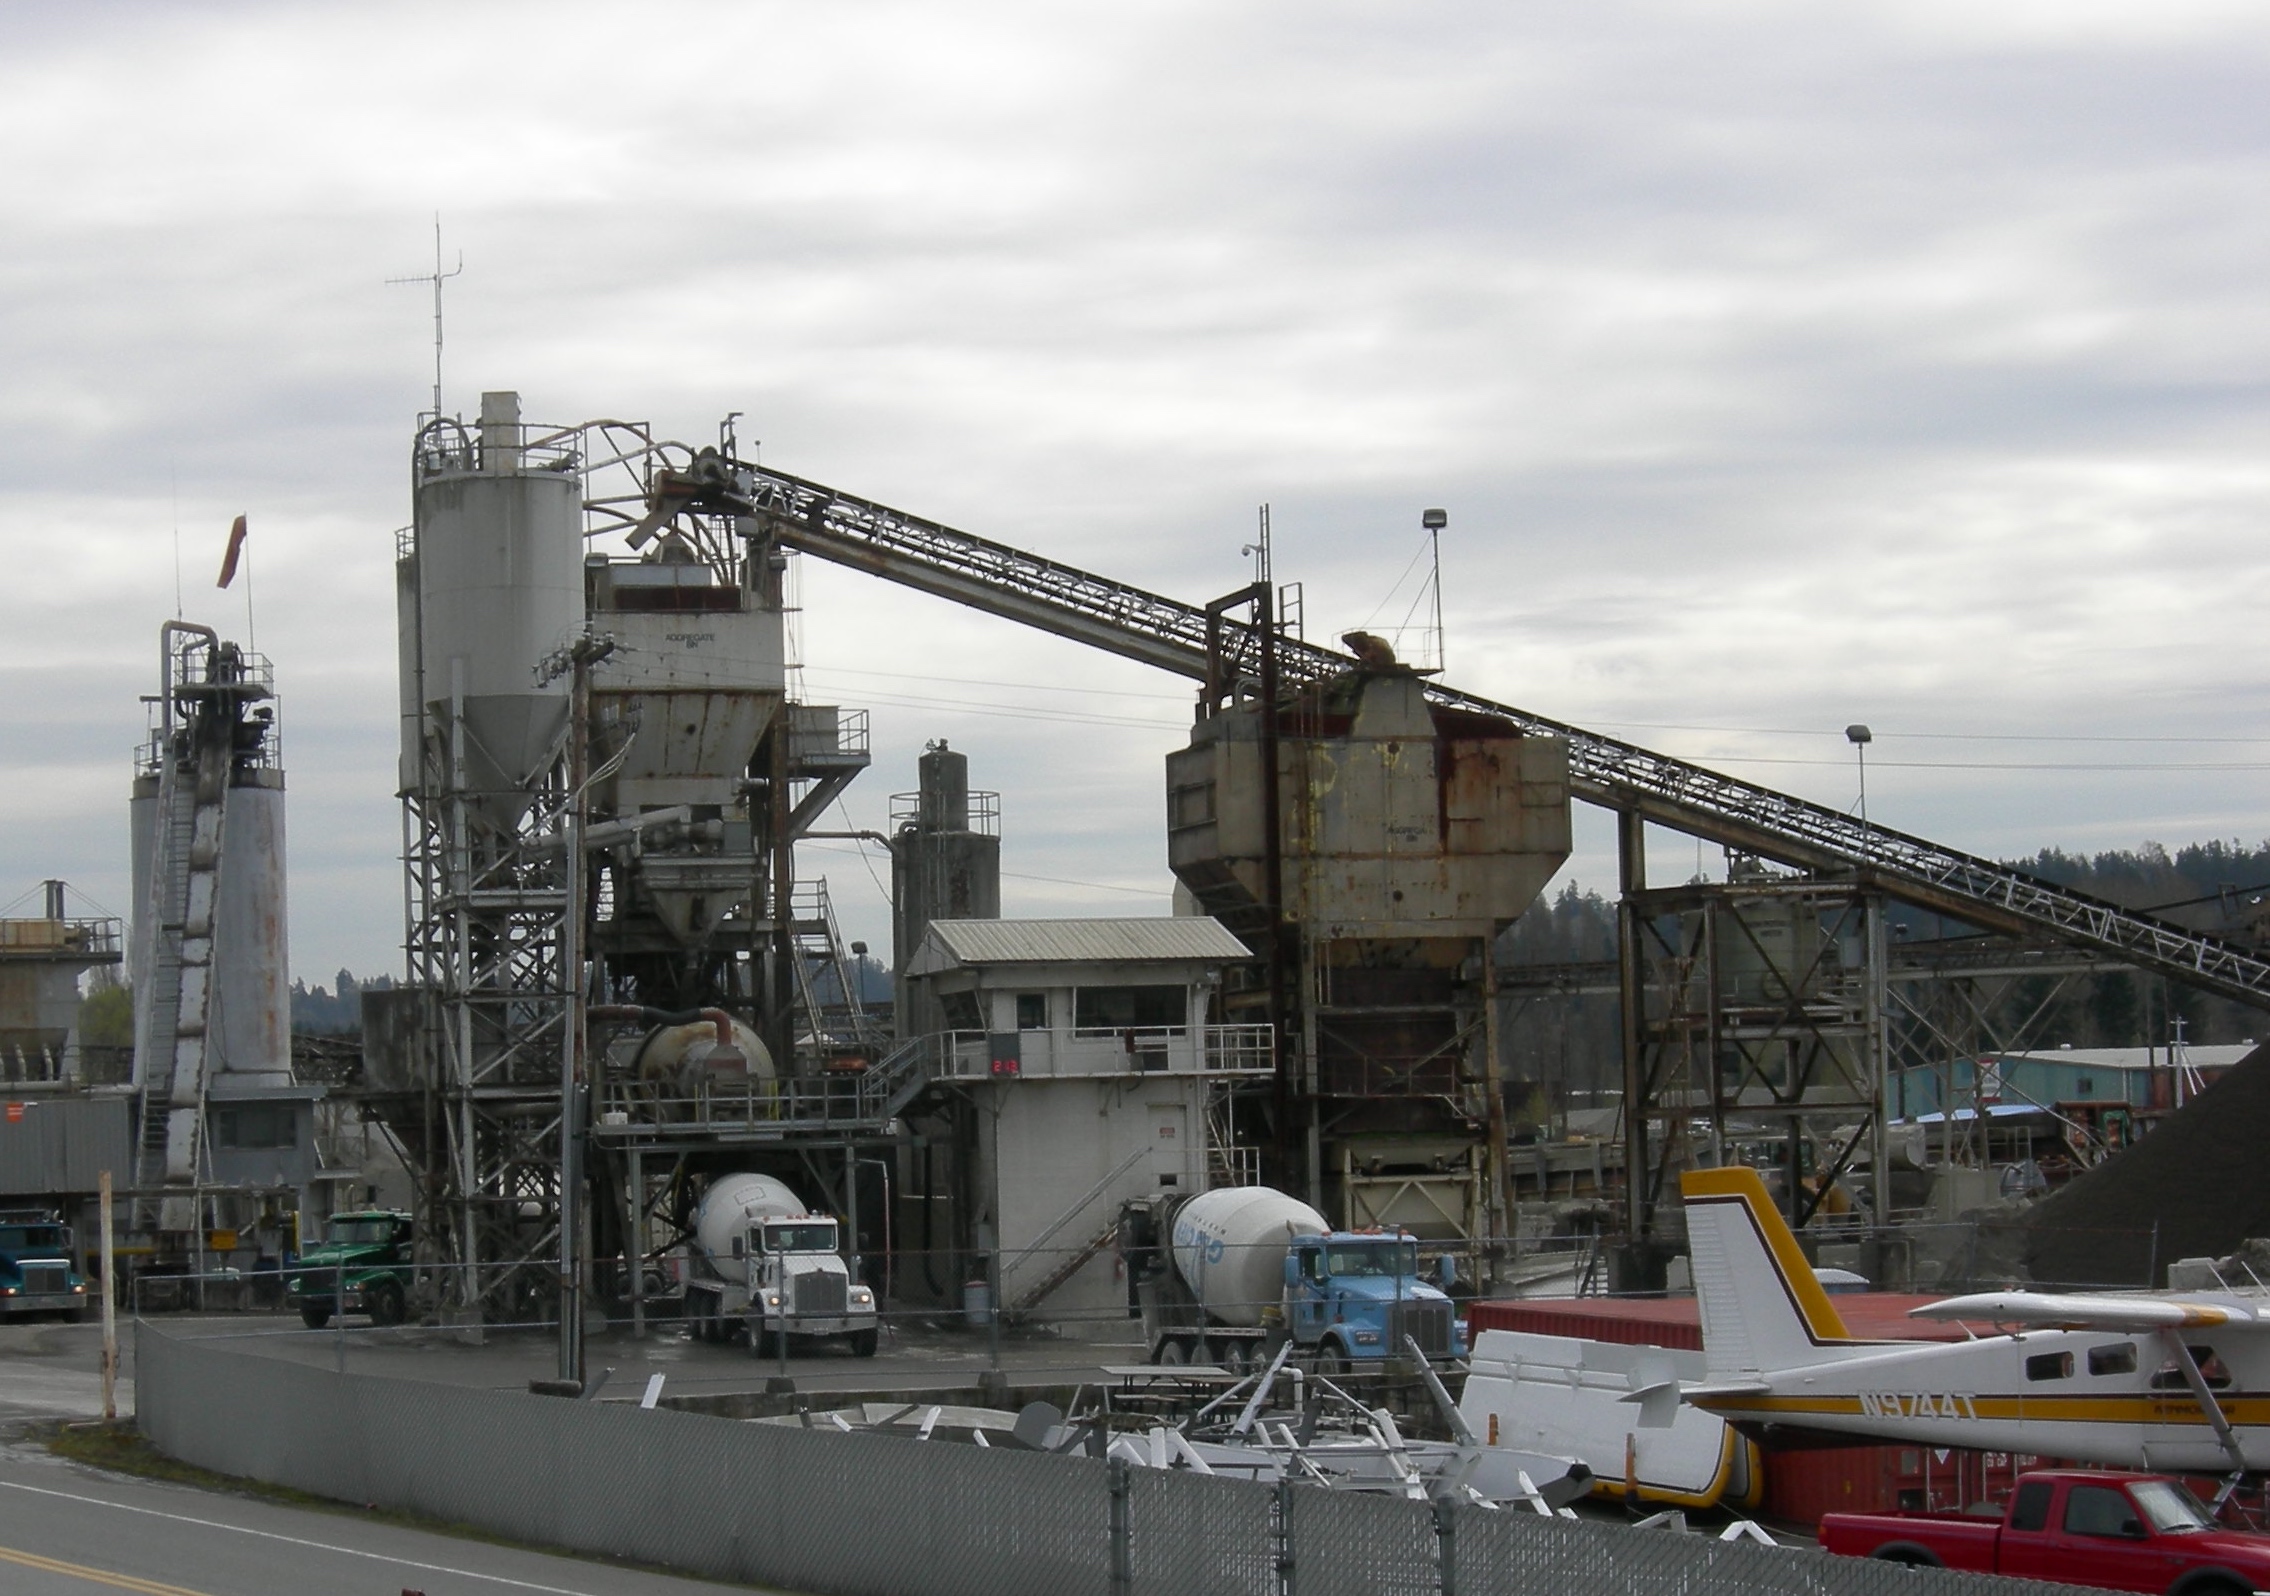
{"x":725,"y":1211}
{"x":1229,"y":1248}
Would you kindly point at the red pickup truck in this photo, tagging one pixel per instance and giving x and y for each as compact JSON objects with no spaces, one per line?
{"x":2141,"y":1532}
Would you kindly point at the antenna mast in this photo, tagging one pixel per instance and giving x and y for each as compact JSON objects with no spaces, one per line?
{"x":436,"y":277}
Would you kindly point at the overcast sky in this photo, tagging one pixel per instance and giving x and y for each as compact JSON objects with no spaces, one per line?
{"x":1780,"y":366}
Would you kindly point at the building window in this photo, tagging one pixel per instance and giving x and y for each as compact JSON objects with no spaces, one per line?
{"x":1119,"y":1008}
{"x":2086,"y":1086}
{"x":959,"y":1010}
{"x":1032,"y":1011}
{"x":254,"y":1125}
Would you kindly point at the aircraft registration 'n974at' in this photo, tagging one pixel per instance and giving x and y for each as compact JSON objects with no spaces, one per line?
{"x":2147,"y":1380}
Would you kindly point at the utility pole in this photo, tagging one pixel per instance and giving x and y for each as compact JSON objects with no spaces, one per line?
{"x":575,"y":662}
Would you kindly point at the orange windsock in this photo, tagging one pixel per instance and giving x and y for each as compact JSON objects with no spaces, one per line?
{"x":236,"y":548}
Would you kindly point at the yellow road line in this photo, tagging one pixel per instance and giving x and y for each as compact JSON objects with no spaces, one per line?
{"x":148,"y":1587}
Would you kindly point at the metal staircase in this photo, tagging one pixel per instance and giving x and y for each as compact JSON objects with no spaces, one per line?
{"x":1174,"y":636}
{"x":818,"y":949}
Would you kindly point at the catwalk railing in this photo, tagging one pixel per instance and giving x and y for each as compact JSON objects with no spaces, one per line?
{"x":870,"y":1515}
{"x":1173,"y":635}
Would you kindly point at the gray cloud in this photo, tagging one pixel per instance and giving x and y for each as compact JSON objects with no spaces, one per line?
{"x":1780,"y":367}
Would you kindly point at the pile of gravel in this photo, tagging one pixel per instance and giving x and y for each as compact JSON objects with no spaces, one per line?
{"x":2195,"y":1187}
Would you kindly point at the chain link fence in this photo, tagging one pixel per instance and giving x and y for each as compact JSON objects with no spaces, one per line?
{"x":867,"y":1515}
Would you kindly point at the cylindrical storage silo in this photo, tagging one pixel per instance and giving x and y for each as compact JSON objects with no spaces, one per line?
{"x":943,"y":779}
{"x":252,"y":991}
{"x":499,"y":570}
{"x":142,"y":844}
{"x":727,"y":1209}
{"x":1229,"y":1248}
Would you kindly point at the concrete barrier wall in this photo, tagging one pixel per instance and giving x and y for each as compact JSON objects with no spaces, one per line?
{"x":867,"y":1515}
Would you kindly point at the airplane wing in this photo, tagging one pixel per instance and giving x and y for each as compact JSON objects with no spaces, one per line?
{"x":2059,"y":1311}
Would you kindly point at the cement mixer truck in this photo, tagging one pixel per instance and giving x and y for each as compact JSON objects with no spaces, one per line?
{"x":1223,"y":1276}
{"x":761,"y":1263}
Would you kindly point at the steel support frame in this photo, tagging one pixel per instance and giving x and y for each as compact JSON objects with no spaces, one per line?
{"x":487,"y":937}
{"x":1693,"y":1056}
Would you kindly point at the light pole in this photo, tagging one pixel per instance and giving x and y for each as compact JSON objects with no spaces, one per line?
{"x":1434,"y":521}
{"x":1860,"y":737}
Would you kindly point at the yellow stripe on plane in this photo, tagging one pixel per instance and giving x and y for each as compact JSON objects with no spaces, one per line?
{"x":1741,"y":1183}
{"x":2247,"y":1414}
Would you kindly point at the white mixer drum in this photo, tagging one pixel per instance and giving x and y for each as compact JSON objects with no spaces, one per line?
{"x":726,"y":1210}
{"x":1229,"y":1247}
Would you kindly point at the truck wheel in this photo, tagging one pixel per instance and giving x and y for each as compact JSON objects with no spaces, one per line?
{"x":1331,"y":1362}
{"x":1172,"y":1354}
{"x":313,"y":1317}
{"x":2214,"y":1585}
{"x":863,"y":1343}
{"x":1907,"y":1555}
{"x":387,"y":1304}
{"x":1233,"y":1357}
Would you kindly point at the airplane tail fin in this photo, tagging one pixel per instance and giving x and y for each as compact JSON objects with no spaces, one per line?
{"x":1762,"y":1307}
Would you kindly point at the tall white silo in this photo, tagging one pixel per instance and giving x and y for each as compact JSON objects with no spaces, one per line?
{"x":217,"y":695}
{"x":490,"y":583}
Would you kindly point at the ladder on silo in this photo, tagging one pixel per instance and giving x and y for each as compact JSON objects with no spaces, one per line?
{"x":1174,"y":636}
{"x":186,"y":876}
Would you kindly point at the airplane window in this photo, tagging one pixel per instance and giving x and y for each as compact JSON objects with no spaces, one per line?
{"x":2170,"y":1376}
{"x":2029,"y":1510}
{"x":2120,"y":1359}
{"x":2050,"y":1366}
{"x":2099,"y":1510}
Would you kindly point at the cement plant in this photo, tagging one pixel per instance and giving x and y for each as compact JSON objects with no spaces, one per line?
{"x":1247,"y":1248}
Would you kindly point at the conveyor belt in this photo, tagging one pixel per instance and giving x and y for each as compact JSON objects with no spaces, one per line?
{"x":1171,"y":635}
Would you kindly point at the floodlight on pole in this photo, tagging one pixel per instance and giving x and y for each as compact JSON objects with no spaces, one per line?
{"x":1860,"y":737}
{"x":1434,"y":521}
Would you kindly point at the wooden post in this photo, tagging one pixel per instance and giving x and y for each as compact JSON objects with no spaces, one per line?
{"x":109,"y":1308}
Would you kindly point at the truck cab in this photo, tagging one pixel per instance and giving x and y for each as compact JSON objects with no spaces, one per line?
{"x":1355,"y":1294}
{"x":2119,"y":1531}
{"x":36,"y":1273}
{"x":799,"y":1283}
{"x":364,"y":1256}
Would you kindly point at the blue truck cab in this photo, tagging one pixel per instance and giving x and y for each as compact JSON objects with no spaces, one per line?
{"x":36,"y":1270}
{"x":1355,"y":1294}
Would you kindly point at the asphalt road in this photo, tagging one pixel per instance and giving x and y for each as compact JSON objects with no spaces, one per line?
{"x":66,"y":1530}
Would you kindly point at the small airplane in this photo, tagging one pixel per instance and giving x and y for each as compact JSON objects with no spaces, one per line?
{"x":2168,"y":1381}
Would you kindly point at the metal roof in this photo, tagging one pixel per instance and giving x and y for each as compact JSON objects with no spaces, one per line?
{"x":1175,"y":939}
